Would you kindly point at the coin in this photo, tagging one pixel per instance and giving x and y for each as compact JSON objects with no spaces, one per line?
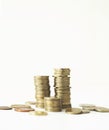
{"x":61,"y":72}
{"x":85,"y":111}
{"x":41,"y":77}
{"x":38,"y":113}
{"x":30,"y":103}
{"x":42,"y":89}
{"x":90,"y":107}
{"x":66,"y":106}
{"x":5,"y":108}
{"x":73,"y":111}
{"x":101,"y":109}
{"x":24,"y":109}
{"x":62,"y":86}
{"x":20,"y":106}
{"x":52,"y":104}
{"x":40,"y":104}
{"x":53,"y":109}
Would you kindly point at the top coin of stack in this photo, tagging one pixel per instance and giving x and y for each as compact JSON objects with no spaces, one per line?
{"x":42,"y":89}
{"x":61,"y":72}
{"x":62,"y":86}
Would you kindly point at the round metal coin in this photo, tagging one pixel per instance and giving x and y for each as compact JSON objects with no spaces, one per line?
{"x":89,"y":107}
{"x":5,"y":108}
{"x":24,"y":109}
{"x":101,"y":109}
{"x":20,"y":106}
{"x":39,"y":113}
{"x":73,"y":111}
{"x":30,"y":103}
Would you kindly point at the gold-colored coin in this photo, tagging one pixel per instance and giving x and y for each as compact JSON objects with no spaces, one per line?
{"x":101,"y":109}
{"x":30,"y":103}
{"x":53,"y":109}
{"x":39,"y":113}
{"x":24,"y":109}
{"x":41,"y":76}
{"x":85,"y":111}
{"x":52,"y":98}
{"x":90,"y":107}
{"x":66,"y":106}
{"x":20,"y":106}
{"x":61,"y":72}
{"x":40,"y":105}
{"x":5,"y":108}
{"x":73,"y":111}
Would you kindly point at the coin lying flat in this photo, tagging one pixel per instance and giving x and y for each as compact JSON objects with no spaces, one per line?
{"x":101,"y":109}
{"x":20,"y":106}
{"x":38,"y":113}
{"x":89,"y":107}
{"x":84,"y":111}
{"x":30,"y":103}
{"x":5,"y":108}
{"x":73,"y":111}
{"x":24,"y":109}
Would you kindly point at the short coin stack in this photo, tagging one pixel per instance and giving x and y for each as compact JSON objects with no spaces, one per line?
{"x":52,"y":104}
{"x":42,"y":89}
{"x":61,"y":84}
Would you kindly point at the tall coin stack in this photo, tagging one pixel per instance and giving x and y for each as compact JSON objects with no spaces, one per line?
{"x":62,"y":86}
{"x":42,"y":89}
{"x":52,"y":104}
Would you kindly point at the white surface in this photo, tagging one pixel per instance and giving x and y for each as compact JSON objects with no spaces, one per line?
{"x":39,"y":35}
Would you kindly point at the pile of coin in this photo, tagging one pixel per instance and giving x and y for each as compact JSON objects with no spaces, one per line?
{"x":42,"y":89}
{"x":52,"y":104}
{"x":62,"y":86}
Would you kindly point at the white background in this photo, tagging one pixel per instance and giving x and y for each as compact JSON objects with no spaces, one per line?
{"x":39,"y":35}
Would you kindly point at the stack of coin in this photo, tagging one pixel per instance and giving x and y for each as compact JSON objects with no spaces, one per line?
{"x":42,"y":89}
{"x":62,"y":86}
{"x":52,"y":104}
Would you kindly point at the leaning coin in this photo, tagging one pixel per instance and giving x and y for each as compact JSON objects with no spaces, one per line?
{"x":20,"y":106}
{"x":30,"y":103}
{"x":24,"y":109}
{"x":89,"y":107}
{"x":101,"y":109}
{"x":5,"y":108}
{"x":39,"y":113}
{"x":73,"y":111}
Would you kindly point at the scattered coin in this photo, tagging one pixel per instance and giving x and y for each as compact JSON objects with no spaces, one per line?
{"x":30,"y":103}
{"x":38,"y":113}
{"x":90,"y":107}
{"x":101,"y":109}
{"x":85,"y":111}
{"x":20,"y":106}
{"x":5,"y":108}
{"x":24,"y":109}
{"x":73,"y":111}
